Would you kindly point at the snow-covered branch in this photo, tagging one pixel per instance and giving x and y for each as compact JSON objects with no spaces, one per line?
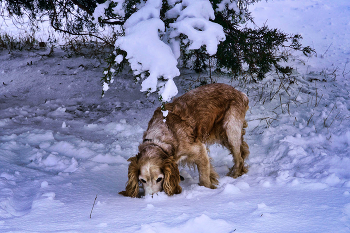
{"x":153,"y":49}
{"x":146,"y":52}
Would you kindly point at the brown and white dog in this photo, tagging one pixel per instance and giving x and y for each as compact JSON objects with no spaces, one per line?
{"x":209,"y":114}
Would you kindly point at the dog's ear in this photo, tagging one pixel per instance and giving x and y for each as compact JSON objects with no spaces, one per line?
{"x":132,"y":186}
{"x":171,"y":184}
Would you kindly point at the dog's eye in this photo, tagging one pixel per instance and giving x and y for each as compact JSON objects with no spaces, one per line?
{"x":143,"y":181}
{"x":159,"y":179}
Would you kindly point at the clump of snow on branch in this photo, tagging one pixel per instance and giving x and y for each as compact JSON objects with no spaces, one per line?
{"x":145,"y":50}
{"x":152,"y":49}
{"x":231,"y":5}
{"x":193,"y":21}
{"x":100,"y":9}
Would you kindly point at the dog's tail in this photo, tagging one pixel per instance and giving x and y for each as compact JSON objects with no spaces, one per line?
{"x":244,"y":146}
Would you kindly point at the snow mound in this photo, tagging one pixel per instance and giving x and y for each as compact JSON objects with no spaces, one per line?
{"x":108,"y":158}
{"x":198,"y":224}
{"x":70,"y":150}
{"x":231,"y":189}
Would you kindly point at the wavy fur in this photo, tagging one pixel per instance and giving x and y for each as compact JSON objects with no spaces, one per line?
{"x":132,"y":186}
{"x":171,"y":172}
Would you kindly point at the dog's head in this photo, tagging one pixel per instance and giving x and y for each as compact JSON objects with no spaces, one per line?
{"x":155,"y":171}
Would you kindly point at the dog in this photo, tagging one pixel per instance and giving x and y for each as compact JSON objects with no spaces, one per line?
{"x":209,"y":114}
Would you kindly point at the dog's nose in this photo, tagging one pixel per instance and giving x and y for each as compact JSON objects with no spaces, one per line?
{"x":149,"y":191}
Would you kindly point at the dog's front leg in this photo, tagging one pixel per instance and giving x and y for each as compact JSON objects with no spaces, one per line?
{"x":202,"y":160}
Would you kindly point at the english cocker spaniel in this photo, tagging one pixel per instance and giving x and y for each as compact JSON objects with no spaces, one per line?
{"x":209,"y":114}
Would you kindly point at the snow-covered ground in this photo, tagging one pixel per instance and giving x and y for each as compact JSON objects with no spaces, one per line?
{"x":62,"y":146}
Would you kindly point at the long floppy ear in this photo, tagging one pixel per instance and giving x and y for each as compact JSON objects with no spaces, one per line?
{"x":171,"y":184}
{"x":132,"y":186}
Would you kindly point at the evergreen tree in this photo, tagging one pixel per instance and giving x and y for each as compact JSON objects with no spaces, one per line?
{"x":215,"y":39}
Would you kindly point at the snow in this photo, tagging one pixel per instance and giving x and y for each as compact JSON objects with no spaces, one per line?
{"x":324,"y":25}
{"x":199,"y":224}
{"x":61,"y":144}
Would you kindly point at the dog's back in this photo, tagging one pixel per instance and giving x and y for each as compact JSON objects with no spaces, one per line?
{"x":204,"y":109}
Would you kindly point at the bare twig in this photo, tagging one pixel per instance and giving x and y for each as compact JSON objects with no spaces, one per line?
{"x":279,"y":88}
{"x":281,"y":104}
{"x":317,"y":103}
{"x":308,"y":121}
{"x":316,"y":93}
{"x":345,"y":73}
{"x":327,"y":50}
{"x":93,"y":206}
{"x":336,"y":117}
{"x":54,"y":26}
{"x":324,"y":122}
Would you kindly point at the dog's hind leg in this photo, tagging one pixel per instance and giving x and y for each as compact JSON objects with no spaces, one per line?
{"x":234,"y":128}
